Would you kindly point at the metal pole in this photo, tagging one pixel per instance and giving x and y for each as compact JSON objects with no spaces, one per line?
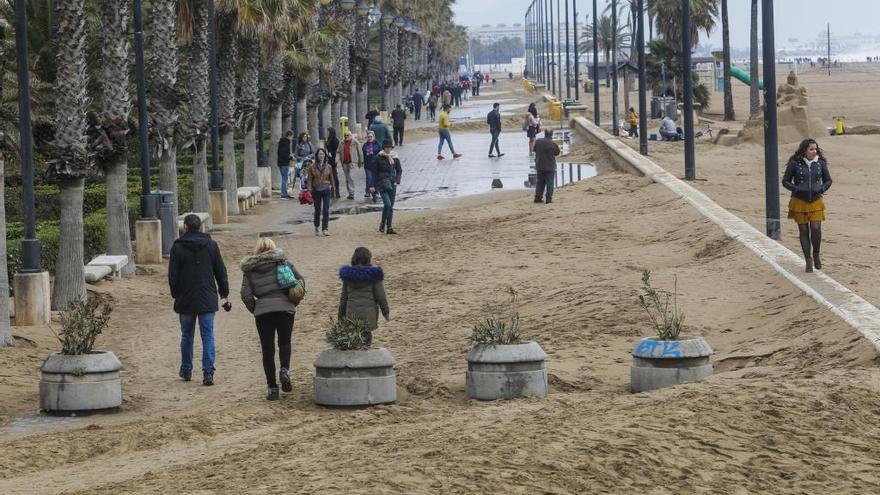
{"x":559,"y":77}
{"x":148,"y":205}
{"x":690,"y":168}
{"x":595,"y":68}
{"x":771,"y":153}
{"x":261,"y":156}
{"x":650,"y":25}
{"x":381,"y":61}
{"x":553,"y":77}
{"x":828,"y":62}
{"x":615,"y":125}
{"x":643,"y":90}
{"x":567,"y":60}
{"x":577,"y":78}
{"x":216,"y":172}
{"x":30,"y":246}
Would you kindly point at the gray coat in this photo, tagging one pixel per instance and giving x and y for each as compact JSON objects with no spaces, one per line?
{"x":363,"y":294}
{"x":259,"y":286}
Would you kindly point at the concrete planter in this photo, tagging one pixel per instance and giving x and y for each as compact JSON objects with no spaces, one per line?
{"x":355,"y":378}
{"x":506,"y":371}
{"x":664,"y":363}
{"x":85,"y":382}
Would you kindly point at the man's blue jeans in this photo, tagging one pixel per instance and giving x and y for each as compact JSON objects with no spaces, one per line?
{"x":370,"y":184}
{"x":285,"y":171}
{"x":187,"y":337}
{"x":445,"y":136}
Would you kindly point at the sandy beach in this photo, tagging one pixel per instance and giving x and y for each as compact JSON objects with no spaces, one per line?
{"x":791,"y":408}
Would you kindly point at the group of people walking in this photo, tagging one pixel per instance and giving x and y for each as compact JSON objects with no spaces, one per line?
{"x":198,"y":279}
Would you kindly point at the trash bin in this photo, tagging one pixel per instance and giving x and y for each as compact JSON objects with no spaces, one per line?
{"x":343,"y":125}
{"x":672,"y":110}
{"x":655,"y":107}
{"x":555,"y":110}
{"x":166,"y":209}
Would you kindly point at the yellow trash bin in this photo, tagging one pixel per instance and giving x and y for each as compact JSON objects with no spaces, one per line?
{"x":556,"y":110}
{"x":343,"y":125}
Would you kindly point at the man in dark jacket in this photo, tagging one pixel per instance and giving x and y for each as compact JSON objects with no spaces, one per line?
{"x":196,"y":275}
{"x":398,"y":116}
{"x":494,"y":121}
{"x":285,"y":156}
{"x":380,"y":129}
{"x":546,"y":151}
{"x":418,"y":101}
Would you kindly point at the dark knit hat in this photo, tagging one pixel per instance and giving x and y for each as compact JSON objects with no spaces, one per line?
{"x":387,"y":144}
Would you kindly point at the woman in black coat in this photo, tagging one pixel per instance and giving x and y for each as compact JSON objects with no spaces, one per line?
{"x":331,"y":144}
{"x":807,"y":177}
{"x":388,"y":173}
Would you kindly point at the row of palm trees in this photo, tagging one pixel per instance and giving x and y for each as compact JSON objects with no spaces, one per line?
{"x":297,"y":57}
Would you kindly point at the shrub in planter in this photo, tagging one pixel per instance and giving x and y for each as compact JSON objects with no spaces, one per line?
{"x":79,"y":378}
{"x":668,"y":359}
{"x":350,"y":373}
{"x":500,"y":365}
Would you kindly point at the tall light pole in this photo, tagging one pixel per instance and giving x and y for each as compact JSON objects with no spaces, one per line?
{"x":553,"y":77}
{"x":771,"y":152}
{"x":30,"y":246}
{"x":559,"y":48}
{"x":595,"y":68}
{"x":148,"y":205}
{"x":643,"y":115}
{"x":567,"y":61}
{"x":216,"y":173}
{"x":577,"y":78}
{"x":690,"y":167}
{"x":615,"y":125}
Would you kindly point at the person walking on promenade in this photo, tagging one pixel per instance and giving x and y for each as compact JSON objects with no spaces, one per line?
{"x":546,"y":151}
{"x":196,"y":276}
{"x":398,"y":117}
{"x":349,"y":154}
{"x":432,"y":107}
{"x":363,"y":292}
{"x":371,"y":151}
{"x":286,"y":157}
{"x":272,"y":309}
{"x":304,"y":151}
{"x":494,"y":121}
{"x":443,"y":130}
{"x":807,"y":177}
{"x":447,"y":97}
{"x":633,"y":120}
{"x":371,"y":116}
{"x":380,"y":130}
{"x":418,"y":101}
{"x":320,"y":185}
{"x":331,"y":144}
{"x":388,"y":173}
{"x":533,"y":126}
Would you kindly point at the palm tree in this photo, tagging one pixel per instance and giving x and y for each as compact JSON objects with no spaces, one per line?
{"x":6,"y":145}
{"x":115,"y":106}
{"x":194,"y":24}
{"x":161,"y":66}
{"x":725,"y":37}
{"x":70,"y":161}
{"x":605,"y":40}
{"x":667,"y":16}
{"x":227,"y":51}
{"x":754,"y":97}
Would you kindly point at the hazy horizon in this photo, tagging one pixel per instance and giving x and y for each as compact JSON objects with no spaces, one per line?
{"x":792,"y":18}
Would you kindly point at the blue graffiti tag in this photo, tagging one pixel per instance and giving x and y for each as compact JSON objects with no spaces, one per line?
{"x":659,"y":348}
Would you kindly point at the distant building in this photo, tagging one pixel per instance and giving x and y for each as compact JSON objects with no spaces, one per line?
{"x":488,"y":33}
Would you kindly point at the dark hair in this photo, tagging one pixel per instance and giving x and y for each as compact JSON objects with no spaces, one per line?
{"x":802,"y":150}
{"x":361,"y":256}
{"x":326,"y":156}
{"x":533,"y":109}
{"x":193,"y":222}
{"x":548,"y":133}
{"x":289,"y":133}
{"x":398,"y":105}
{"x":331,"y":133}
{"x":496,"y":105}
{"x":299,"y":138}
{"x":446,"y":107}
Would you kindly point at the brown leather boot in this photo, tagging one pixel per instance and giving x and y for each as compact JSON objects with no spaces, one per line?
{"x":809,"y":265}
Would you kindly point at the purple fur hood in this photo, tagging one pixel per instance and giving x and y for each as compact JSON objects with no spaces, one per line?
{"x":361,"y":273}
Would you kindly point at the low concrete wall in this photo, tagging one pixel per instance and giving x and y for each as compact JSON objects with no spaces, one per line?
{"x":857,"y":312}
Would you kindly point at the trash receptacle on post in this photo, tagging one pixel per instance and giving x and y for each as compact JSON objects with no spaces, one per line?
{"x":555,"y":110}
{"x":165,"y":208}
{"x":343,"y":125}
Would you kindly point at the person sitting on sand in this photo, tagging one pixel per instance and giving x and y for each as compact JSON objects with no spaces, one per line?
{"x":668,"y":131}
{"x":363,"y":292}
{"x":807,"y":177}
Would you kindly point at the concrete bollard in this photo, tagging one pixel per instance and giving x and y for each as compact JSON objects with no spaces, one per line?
{"x":32,"y":299}
{"x":148,"y":236}
{"x":506,"y":371}
{"x":664,"y":363}
{"x":355,"y":378}
{"x":84,"y":382}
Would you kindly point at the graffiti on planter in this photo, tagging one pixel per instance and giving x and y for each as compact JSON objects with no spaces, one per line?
{"x":659,"y":348}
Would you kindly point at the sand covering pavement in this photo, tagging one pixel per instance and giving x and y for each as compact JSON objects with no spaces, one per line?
{"x":792,"y":407}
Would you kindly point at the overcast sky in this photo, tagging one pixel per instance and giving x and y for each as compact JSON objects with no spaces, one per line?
{"x":802,"y":19}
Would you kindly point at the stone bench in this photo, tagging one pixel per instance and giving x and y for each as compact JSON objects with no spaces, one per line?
{"x":96,"y":273}
{"x":207,"y":223}
{"x":115,"y":263}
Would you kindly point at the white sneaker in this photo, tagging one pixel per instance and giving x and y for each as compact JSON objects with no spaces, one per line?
{"x":325,"y":232}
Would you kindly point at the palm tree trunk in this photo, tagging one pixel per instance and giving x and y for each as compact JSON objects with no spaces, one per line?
{"x":201,"y":203}
{"x":725,"y":40}
{"x":607,"y":67}
{"x":230,"y":174}
{"x":351,"y":111}
{"x":70,"y":282}
{"x":6,"y":339}
{"x":250,"y":157}
{"x":313,"y":123}
{"x":118,"y":228}
{"x":302,"y":115}
{"x":754,"y":96}
{"x":276,"y":131}
{"x":168,"y":172}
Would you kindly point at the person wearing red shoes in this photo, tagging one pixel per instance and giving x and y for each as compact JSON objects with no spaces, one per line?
{"x":443,"y":130}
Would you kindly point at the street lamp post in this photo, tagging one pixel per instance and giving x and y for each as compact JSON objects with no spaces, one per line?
{"x":577,"y":67}
{"x":615,"y":125}
{"x":595,"y":68}
{"x":567,"y":60}
{"x":771,"y":156}
{"x":643,"y":116}
{"x":216,"y":173}
{"x":690,"y":168}
{"x":148,"y":205}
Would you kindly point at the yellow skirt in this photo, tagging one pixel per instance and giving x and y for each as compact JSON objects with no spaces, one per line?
{"x":803,"y":212}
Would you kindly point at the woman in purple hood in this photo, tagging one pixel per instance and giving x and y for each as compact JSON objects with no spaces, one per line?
{"x":363,"y":293}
